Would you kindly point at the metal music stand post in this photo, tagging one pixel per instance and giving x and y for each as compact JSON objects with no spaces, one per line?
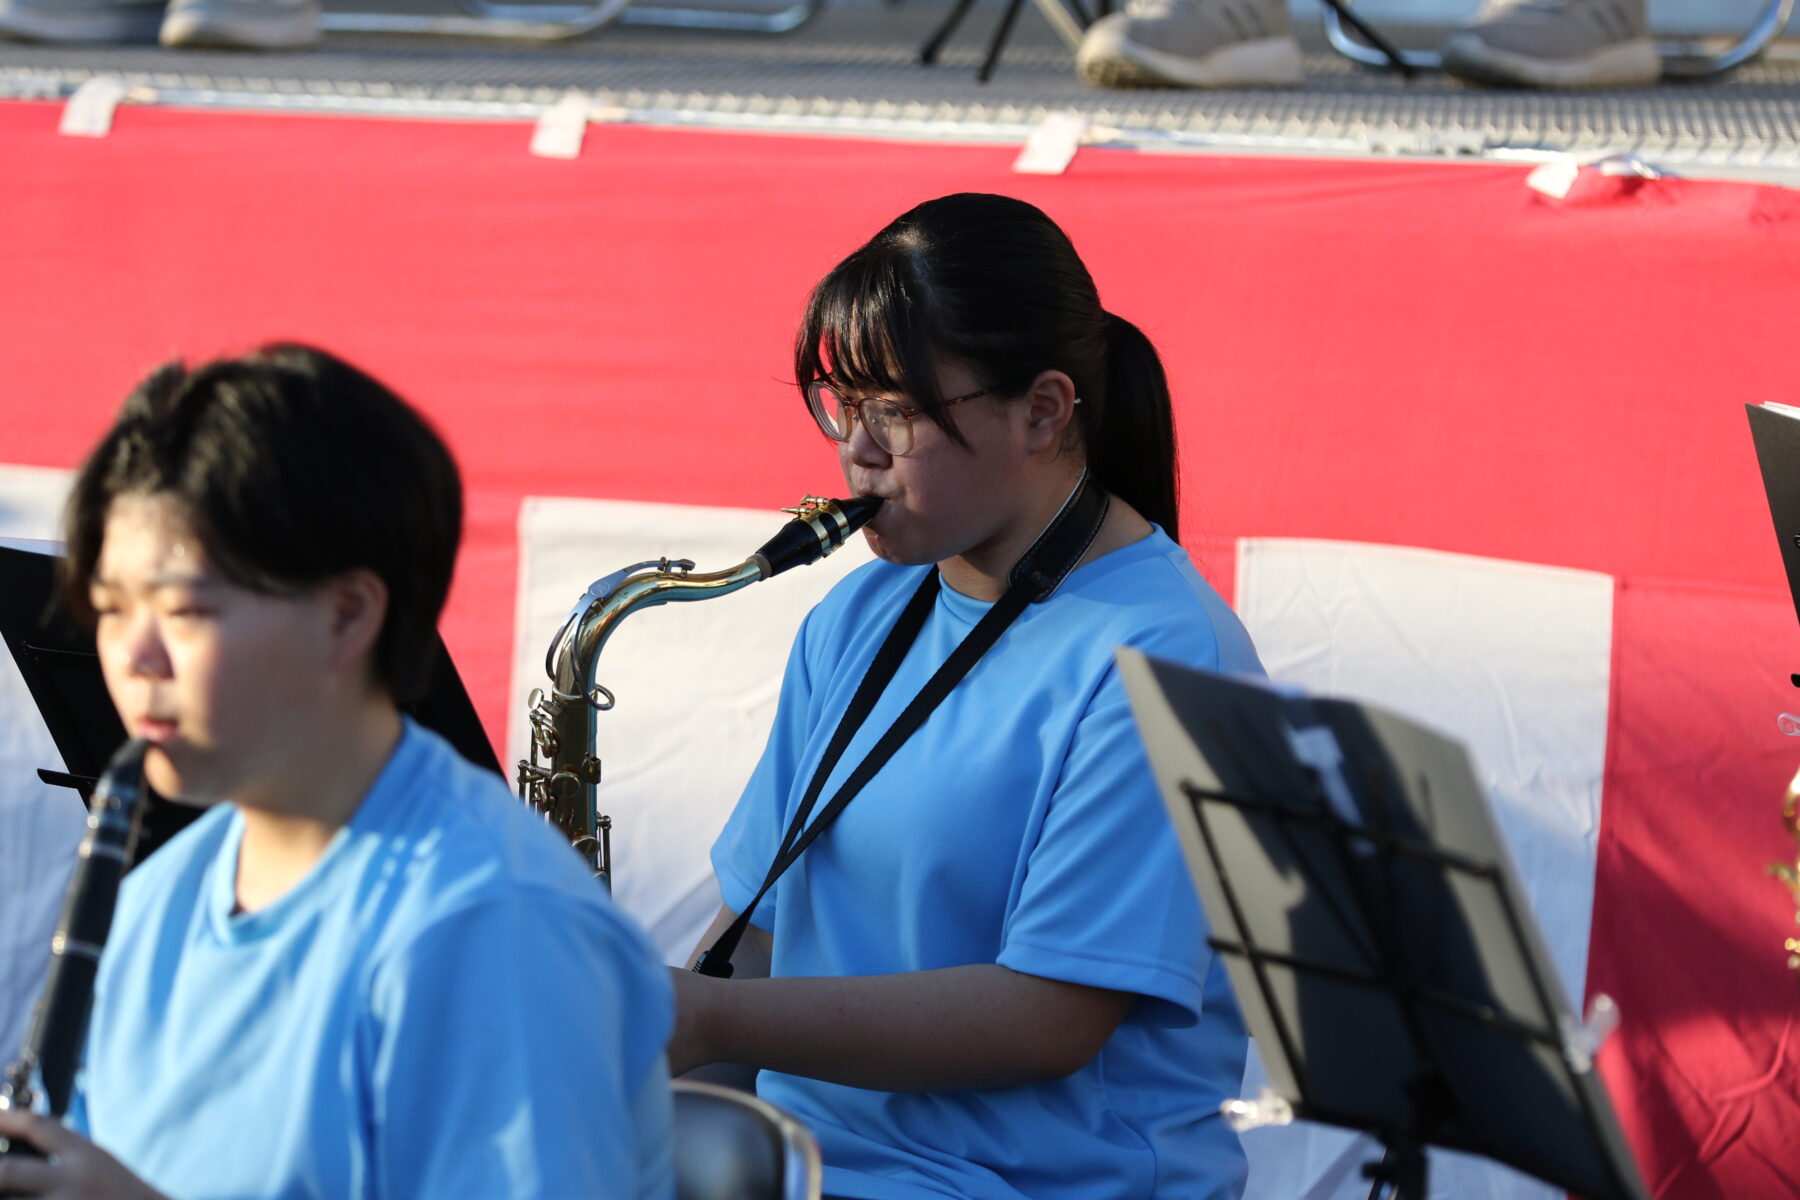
{"x":1375,"y":935}
{"x":61,"y":671}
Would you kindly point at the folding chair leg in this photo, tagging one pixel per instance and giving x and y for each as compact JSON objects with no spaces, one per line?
{"x":1067,"y":17}
{"x":1681,"y":65}
{"x":1338,"y":14}
{"x":525,"y":22}
{"x":1680,"y":61}
{"x":1001,"y":32}
{"x":555,"y":22}
{"x":928,"y":53}
{"x":1366,"y":55}
{"x":672,"y":16}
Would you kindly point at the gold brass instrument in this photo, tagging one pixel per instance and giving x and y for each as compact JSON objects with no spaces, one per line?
{"x":562,"y":778}
{"x":1790,"y":875}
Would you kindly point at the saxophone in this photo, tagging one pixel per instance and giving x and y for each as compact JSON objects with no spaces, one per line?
{"x":59,"y":1022}
{"x":1790,"y":875}
{"x":562,"y":777}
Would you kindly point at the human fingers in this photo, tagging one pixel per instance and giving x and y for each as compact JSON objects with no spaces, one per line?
{"x":49,"y":1135}
{"x":21,"y":1176}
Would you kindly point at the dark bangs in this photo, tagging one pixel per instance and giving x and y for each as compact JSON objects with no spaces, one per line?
{"x":292,"y":467}
{"x":150,"y":451}
{"x":872,"y":325}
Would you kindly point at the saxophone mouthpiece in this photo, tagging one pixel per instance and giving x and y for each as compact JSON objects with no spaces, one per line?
{"x":819,"y":527}
{"x":859,"y":510}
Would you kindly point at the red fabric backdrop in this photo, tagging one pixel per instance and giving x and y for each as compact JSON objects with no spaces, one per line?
{"x":1427,"y":355}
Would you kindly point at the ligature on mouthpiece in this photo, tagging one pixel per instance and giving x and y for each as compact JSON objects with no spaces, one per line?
{"x":819,"y":527}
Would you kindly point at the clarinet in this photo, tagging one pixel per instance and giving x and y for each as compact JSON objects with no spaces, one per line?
{"x":52,"y":1049}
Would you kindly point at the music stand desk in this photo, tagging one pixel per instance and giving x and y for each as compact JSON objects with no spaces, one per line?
{"x":1373,"y":930}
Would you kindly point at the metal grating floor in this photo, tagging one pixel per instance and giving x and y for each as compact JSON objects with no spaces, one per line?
{"x":854,"y":70}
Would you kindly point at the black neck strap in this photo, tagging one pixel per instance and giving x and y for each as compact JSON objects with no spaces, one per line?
{"x":1035,"y":577}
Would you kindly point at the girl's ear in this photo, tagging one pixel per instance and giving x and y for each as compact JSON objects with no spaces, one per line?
{"x":356,"y":609}
{"x":1049,"y":408}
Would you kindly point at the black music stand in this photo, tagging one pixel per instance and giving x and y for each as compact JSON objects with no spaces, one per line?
{"x":61,"y":671}
{"x":1775,"y":429}
{"x":1373,"y":930}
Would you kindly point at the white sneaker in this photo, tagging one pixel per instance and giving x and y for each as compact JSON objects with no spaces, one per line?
{"x":1192,"y":43}
{"x":246,"y":24}
{"x":1556,"y":44}
{"x":81,"y":20}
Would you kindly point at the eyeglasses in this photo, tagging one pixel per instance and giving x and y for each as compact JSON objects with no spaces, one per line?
{"x":888,"y":421}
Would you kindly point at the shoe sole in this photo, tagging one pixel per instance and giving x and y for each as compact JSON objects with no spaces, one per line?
{"x":1626,"y":64}
{"x":55,"y":26}
{"x":1109,"y":58}
{"x":288,"y":32}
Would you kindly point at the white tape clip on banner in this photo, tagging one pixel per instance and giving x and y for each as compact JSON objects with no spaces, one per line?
{"x":1557,"y":178}
{"x":1051,"y":146}
{"x":560,"y":130}
{"x":89,"y":112}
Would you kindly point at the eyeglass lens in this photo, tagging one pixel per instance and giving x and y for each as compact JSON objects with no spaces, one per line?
{"x":887,"y":424}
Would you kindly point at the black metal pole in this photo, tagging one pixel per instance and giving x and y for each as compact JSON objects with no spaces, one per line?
{"x":929,"y":52}
{"x":1374,"y":38}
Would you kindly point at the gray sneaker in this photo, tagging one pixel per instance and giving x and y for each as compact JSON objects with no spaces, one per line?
{"x":1556,"y":44}
{"x":246,"y":24}
{"x":81,"y":20}
{"x":1192,"y":43}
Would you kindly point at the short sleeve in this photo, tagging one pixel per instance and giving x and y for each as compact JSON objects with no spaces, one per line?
{"x":511,"y":1046}
{"x":76,"y":1118}
{"x":1107,"y":900}
{"x":745,"y":849}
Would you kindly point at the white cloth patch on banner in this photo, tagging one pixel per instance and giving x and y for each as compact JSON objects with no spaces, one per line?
{"x":89,"y":112}
{"x":40,"y":825}
{"x":696,"y":684}
{"x":31,"y":500}
{"x":559,"y":131}
{"x":1512,"y":659}
{"x":1051,"y":145}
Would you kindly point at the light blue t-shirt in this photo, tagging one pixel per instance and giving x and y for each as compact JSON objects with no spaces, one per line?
{"x":446,"y":1006}
{"x":1021,"y":826}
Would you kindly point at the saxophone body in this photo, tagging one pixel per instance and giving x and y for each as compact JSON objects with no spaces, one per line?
{"x":59,"y":1021}
{"x":561,"y":779}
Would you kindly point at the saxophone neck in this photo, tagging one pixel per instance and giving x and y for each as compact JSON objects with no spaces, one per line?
{"x":819,"y":526}
{"x":609,"y":601}
{"x":560,"y":778}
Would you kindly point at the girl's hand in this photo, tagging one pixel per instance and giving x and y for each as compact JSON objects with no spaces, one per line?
{"x":72,"y":1168}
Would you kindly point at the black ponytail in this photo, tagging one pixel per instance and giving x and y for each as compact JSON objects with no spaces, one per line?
{"x":1131,"y":431}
